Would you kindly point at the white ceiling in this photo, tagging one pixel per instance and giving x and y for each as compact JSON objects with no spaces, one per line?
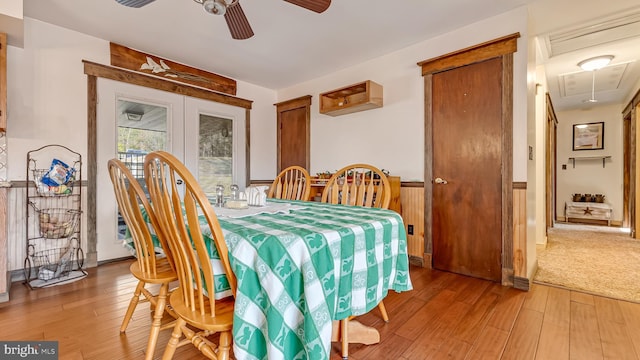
{"x":292,"y":45}
{"x":614,"y":30}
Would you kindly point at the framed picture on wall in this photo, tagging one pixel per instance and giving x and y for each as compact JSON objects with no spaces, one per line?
{"x":588,"y":136}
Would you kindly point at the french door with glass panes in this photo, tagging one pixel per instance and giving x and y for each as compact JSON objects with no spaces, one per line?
{"x":134,"y":120}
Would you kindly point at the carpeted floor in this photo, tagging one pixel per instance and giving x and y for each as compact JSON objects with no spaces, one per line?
{"x":598,"y":262}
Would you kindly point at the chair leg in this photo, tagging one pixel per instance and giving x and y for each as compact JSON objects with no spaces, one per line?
{"x":173,"y":341}
{"x":383,"y":311}
{"x":132,"y":306}
{"x":161,"y":302}
{"x":224,"y":346}
{"x":344,"y":334}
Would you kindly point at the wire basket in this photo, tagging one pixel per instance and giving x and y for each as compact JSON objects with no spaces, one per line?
{"x":58,"y":223}
{"x":46,"y":190}
{"x":53,"y":263}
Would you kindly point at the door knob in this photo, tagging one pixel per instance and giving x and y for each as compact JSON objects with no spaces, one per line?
{"x":440,"y":181}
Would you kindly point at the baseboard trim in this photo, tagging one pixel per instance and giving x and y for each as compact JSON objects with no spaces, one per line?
{"x":523,"y":283}
{"x":416,"y":260}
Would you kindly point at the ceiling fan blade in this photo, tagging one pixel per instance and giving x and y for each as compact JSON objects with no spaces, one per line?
{"x":238,"y":23}
{"x":134,"y":3}
{"x":313,"y":5}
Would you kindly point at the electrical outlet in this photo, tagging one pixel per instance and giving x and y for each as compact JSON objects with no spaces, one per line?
{"x":410,"y":229}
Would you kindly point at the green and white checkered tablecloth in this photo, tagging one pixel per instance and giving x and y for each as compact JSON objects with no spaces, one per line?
{"x":297,"y":272}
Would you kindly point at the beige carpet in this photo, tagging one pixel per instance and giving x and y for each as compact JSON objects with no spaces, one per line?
{"x":598,"y":262}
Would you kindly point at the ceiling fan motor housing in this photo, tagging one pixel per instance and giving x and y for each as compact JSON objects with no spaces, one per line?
{"x":216,"y":7}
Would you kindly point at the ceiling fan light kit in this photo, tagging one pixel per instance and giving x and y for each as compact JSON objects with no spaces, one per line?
{"x":595,"y":63}
{"x":233,"y":14}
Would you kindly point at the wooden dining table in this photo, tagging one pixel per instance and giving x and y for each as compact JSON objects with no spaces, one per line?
{"x":300,"y":267}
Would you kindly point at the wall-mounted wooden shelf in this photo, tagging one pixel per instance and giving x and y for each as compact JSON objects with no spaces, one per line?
{"x":603,"y":158}
{"x":353,"y":98}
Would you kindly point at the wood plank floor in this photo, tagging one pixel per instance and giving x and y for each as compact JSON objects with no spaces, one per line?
{"x":446,"y":316}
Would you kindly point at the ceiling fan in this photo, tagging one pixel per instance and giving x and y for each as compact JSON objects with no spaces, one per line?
{"x":233,"y":14}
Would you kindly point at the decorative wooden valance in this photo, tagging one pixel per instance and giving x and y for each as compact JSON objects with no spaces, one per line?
{"x":131,"y":59}
{"x":487,"y":50}
{"x":141,"y":79}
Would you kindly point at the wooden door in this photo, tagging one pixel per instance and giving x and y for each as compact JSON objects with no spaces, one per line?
{"x":467,"y":157}
{"x":294,"y":132}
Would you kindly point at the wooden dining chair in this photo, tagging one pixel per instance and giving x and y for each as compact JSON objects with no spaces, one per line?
{"x":358,"y":185}
{"x":149,"y":267}
{"x":293,"y":183}
{"x":179,"y":209}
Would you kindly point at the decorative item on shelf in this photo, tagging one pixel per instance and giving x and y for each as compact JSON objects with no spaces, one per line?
{"x":324,"y":175}
{"x":599,"y":198}
{"x":587,"y":198}
{"x":384,"y":171}
{"x":577,"y":197}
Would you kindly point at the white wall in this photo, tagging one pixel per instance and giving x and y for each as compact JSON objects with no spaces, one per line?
{"x":47,"y":104}
{"x":392,"y":137}
{"x":589,"y":176}
{"x":11,"y":21}
{"x":47,"y":97}
{"x":536,"y":188}
{"x":13,"y":8}
{"x":47,"y":101}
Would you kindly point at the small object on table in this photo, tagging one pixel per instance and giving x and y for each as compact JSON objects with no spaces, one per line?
{"x":219,"y":195}
{"x":234,"y":192}
{"x":256,"y":195}
{"x":236,"y":204}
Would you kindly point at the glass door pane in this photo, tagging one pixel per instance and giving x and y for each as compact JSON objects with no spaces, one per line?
{"x":215,"y":155}
{"x":219,"y":156}
{"x":142,"y":128}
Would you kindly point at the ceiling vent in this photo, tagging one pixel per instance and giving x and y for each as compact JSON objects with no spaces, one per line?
{"x":624,"y":26}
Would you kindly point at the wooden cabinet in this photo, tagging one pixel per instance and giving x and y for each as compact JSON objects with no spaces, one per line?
{"x":353,"y":98}
{"x":3,"y":81}
{"x":317,"y":187}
